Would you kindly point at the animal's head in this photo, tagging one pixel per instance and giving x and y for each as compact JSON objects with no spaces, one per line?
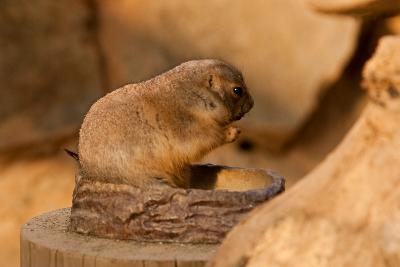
{"x":226,"y":82}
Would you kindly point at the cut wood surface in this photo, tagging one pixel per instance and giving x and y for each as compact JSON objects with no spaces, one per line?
{"x":46,"y":242}
{"x":346,"y":212}
{"x":201,"y":214}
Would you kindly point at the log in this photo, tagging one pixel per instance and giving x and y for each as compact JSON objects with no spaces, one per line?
{"x":203,"y":213}
{"x":346,"y":212}
{"x":46,"y":242}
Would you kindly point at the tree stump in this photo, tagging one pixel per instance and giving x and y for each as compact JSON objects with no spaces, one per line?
{"x":202,"y":214}
{"x":46,"y":242}
{"x":346,"y":212}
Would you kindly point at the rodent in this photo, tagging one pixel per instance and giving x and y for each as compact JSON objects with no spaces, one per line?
{"x":151,"y":132}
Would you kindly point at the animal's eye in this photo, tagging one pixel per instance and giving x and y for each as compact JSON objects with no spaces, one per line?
{"x":238,"y":91}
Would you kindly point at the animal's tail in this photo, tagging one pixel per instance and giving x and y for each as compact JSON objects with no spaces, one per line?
{"x":72,"y":154}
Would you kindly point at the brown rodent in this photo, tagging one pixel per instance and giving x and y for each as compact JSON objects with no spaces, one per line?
{"x":153,"y":131}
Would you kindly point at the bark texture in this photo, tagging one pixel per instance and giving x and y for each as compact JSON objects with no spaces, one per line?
{"x":346,"y":212}
{"x":169,"y":214}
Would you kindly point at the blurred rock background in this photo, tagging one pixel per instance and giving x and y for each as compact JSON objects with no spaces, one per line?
{"x":57,"y":57}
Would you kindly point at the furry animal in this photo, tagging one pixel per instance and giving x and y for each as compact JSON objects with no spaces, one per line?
{"x":151,"y":132}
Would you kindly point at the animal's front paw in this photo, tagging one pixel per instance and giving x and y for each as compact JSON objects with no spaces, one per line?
{"x":231,"y":134}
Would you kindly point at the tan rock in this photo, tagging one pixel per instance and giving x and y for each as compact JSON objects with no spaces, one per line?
{"x":49,"y":69}
{"x":288,"y":54}
{"x":357,"y":7}
{"x":346,"y":212}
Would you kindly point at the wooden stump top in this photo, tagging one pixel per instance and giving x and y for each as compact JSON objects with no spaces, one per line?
{"x":46,"y":241}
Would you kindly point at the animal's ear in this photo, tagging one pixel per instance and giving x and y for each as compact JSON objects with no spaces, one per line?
{"x":215,"y":86}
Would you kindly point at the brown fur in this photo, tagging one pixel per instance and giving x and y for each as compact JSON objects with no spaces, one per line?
{"x":152,"y":131}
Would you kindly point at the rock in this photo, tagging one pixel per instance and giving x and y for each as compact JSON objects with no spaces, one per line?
{"x":357,"y":7}
{"x":345,"y":212}
{"x":287,"y":53}
{"x":49,"y":69}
